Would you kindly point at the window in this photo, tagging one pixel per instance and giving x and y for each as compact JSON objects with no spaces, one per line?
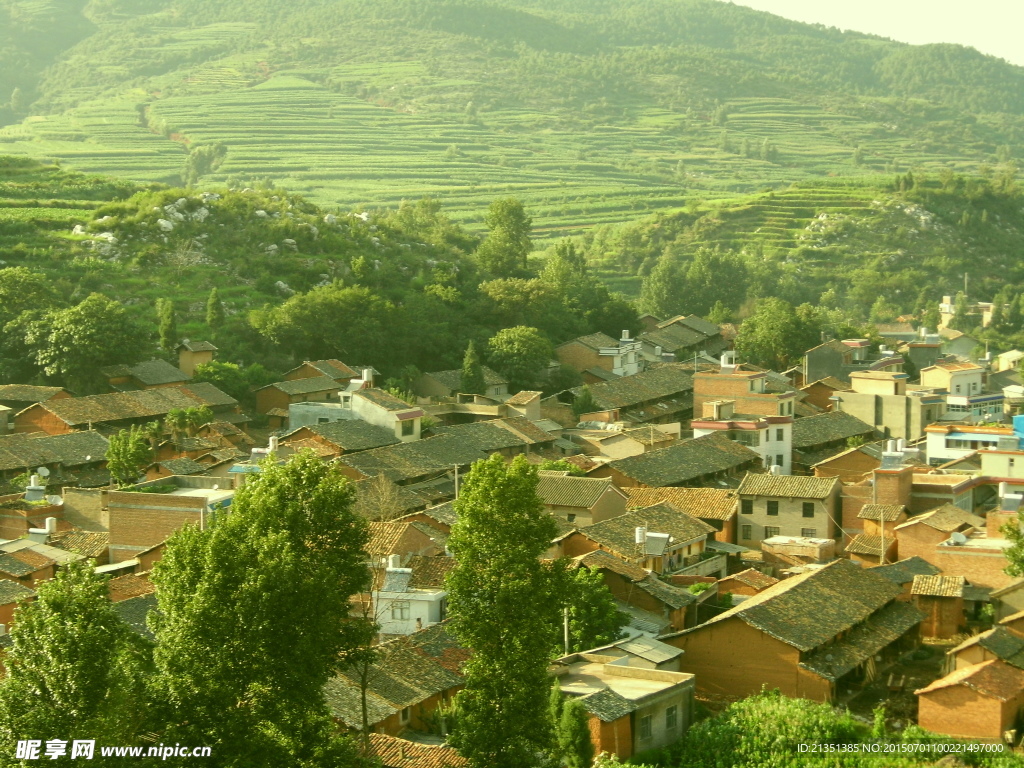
{"x":770,"y":530}
{"x":767,"y":435}
{"x":1012,"y":462}
{"x":789,"y":408}
{"x":773,"y":508}
{"x":808,"y":509}
{"x":406,"y":715}
{"x":400,"y":610}
{"x":809,"y":533}
{"x":746,"y":532}
{"x":571,"y":517}
{"x":958,"y":389}
{"x":646,"y":726}
{"x":779,"y":435}
{"x":408,"y":427}
{"x":671,"y":718}
{"x":778,"y":461}
{"x":746,"y":506}
{"x":322,"y":420}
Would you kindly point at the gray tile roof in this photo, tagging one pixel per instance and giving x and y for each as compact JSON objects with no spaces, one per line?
{"x":355,"y":434}
{"x":654,"y":384}
{"x":497,"y":434}
{"x":19,"y":451}
{"x":197,"y":346}
{"x":607,"y":705}
{"x":148,"y":403}
{"x":561,"y":489}
{"x":812,"y":431}
{"x":618,"y":534}
{"x":306,"y":386}
{"x":150,"y":373}
{"x":183,"y":466}
{"x":453,"y":379}
{"x":904,"y":571}
{"x":686,"y":461}
{"x":673,"y":338}
{"x":408,"y":461}
{"x":593,"y":341}
{"x":788,"y":486}
{"x":383,"y":399}
{"x":134,"y":612}
{"x":12,"y":592}
{"x":26,"y":393}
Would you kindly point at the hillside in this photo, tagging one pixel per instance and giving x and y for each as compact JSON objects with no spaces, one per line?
{"x":590,"y":111}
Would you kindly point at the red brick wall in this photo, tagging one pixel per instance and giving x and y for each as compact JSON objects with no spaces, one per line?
{"x":980,"y":568}
{"x":920,"y":540}
{"x":615,"y":737}
{"x":850,"y":468}
{"x":38,"y":419}
{"x":893,"y":486}
{"x":140,"y":523}
{"x":961,"y":712}
{"x":944,"y":616}
{"x":580,"y":357}
{"x":271,"y":397}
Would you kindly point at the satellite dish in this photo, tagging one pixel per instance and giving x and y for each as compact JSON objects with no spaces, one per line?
{"x":89,"y":457}
{"x":43,"y":472}
{"x":958,"y":538}
{"x":55,"y":500}
{"x":216,"y":487}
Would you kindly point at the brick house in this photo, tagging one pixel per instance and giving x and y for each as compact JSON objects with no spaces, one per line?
{"x":810,"y":636}
{"x":903,"y":573}
{"x":853,"y":465}
{"x":1002,"y":642}
{"x":920,"y":535}
{"x":332,"y":369}
{"x":941,"y":600}
{"x":746,"y":583}
{"x":715,"y":506}
{"x":981,"y":701}
{"x":580,"y":500}
{"x":338,"y":438}
{"x":785,"y":505}
{"x":76,"y":458}
{"x":193,"y":353}
{"x":12,"y":593}
{"x":681,"y":336}
{"x":598,"y":354}
{"x":1008,"y":600}
{"x":18,"y":397}
{"x":151,"y":374}
{"x":661,"y":395}
{"x":823,"y":436}
{"x":750,"y":392}
{"x":449,"y":383}
{"x":404,"y":539}
{"x":278,"y":396}
{"x":393,"y":752}
{"x":697,"y":462}
{"x":819,"y":393}
{"x":121,"y":410}
{"x":877,"y":543}
{"x":26,"y":567}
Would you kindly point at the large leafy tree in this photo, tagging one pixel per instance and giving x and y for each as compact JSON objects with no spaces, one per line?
{"x":521,"y":354}
{"x":74,"y":669}
{"x":772,"y":336}
{"x":73,"y":344}
{"x":128,"y":453}
{"x":501,"y":602}
{"x":503,"y":252}
{"x":574,"y":744}
{"x":594,"y":618}
{"x":21,"y":290}
{"x":254,"y":618}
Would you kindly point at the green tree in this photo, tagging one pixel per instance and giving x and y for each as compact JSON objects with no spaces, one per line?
{"x":574,"y":744}
{"x":129,"y":452}
{"x":961,"y":320}
{"x":254,"y":618}
{"x":931,"y":319}
{"x":1014,"y":314}
{"x":719,"y":314}
{"x":594,"y":618}
{"x":584,"y":402}
{"x":661,"y":292}
{"x":19,"y":104}
{"x":168,"y":325}
{"x":22,"y":290}
{"x":177,"y":421}
{"x":74,"y":343}
{"x":196,"y":418}
{"x":227,"y":377}
{"x":472,"y":372}
{"x":561,"y":465}
{"x":500,"y":603}
{"x":766,"y":337}
{"x":75,"y":670}
{"x":503,"y":252}
{"x":214,"y":309}
{"x":521,"y":354}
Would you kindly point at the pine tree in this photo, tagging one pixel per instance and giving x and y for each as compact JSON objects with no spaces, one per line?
{"x":214,"y":309}
{"x":574,"y":744}
{"x":1014,"y":313}
{"x":473,"y":382}
{"x":168,"y":325}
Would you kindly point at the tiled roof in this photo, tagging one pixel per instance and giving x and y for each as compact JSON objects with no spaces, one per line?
{"x":183,"y":466}
{"x":938,"y":586}
{"x":811,"y":431}
{"x":12,"y":592}
{"x":383,"y":399}
{"x":394,"y":752}
{"x":19,"y":451}
{"x":789,"y":486}
{"x":151,"y":372}
{"x":685,"y":461}
{"x":26,"y":393}
{"x":134,"y":611}
{"x":86,"y":543}
{"x":669,"y":594}
{"x":497,"y":434}
{"x":443,"y":513}
{"x":333,"y":368}
{"x":197,"y":346}
{"x":754,"y":578}
{"x":129,"y":585}
{"x":560,"y":489}
{"x":406,"y":461}
{"x":523,"y":397}
{"x":673,"y":337}
{"x":810,"y":609}
{"x":653,"y":384}
{"x":947,"y":518}
{"x":148,"y":403}
{"x":592,"y":341}
{"x":453,"y":379}
{"x":355,"y":434}
{"x":607,"y":705}
{"x":305,"y":386}
{"x":599,"y":559}
{"x":384,"y":537}
{"x":999,"y":641}
{"x":619,"y":533}
{"x":13,"y":565}
{"x":904,"y":571}
{"x":885,"y":512}
{"x":699,"y":324}
{"x":429,"y":572}
{"x":702,"y":503}
{"x":863,"y":641}
{"x":993,"y":679}
{"x":862,"y":544}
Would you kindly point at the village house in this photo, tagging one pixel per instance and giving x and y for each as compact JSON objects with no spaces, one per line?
{"x":580,"y":500}
{"x":941,"y":600}
{"x":151,"y":374}
{"x":275,"y":399}
{"x":746,"y":583}
{"x":77,"y":458}
{"x":599,"y":357}
{"x":192,"y":354}
{"x":681,"y":337}
{"x":18,"y":397}
{"x":981,"y":701}
{"x":633,"y":707}
{"x":964,"y":385}
{"x":882,"y":400}
{"x":749,"y":391}
{"x":122,"y":410}
{"x":819,"y":393}
{"x":780,"y":505}
{"x":841,"y":359}
{"x":659,"y":538}
{"x":410,"y":463}
{"x":331,"y":368}
{"x":29,"y":561}
{"x":771,"y":437}
{"x":810,"y":636}
{"x":855,"y":465}
{"x":444,"y":384}
{"x":11,"y":594}
{"x":1008,"y":600}
{"x":337,"y":438}
{"x":509,"y":437}
{"x":949,"y":442}
{"x":903,"y":573}
{"x":712,"y":460}
{"x":653,"y":606}
{"x":661,"y":395}
{"x":620,"y":444}
{"x":714,"y":506}
{"x":410,"y":598}
{"x":876,"y":545}
{"x":1005,"y":642}
{"x":403,"y":539}
{"x":394,"y":752}
{"x":825,"y":435}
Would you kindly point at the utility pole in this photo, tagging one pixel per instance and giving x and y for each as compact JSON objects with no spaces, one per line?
{"x":565,"y":628}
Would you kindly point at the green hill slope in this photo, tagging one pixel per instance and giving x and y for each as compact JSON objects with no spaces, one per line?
{"x":591,"y":111}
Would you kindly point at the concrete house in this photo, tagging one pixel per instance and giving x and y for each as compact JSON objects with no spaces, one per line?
{"x":882,"y":400}
{"x":964,"y":384}
{"x":780,"y":505}
{"x":449,"y":384}
{"x":771,"y":437}
{"x":949,"y":442}
{"x":381,"y":408}
{"x":411,"y":598}
{"x":580,"y":500}
{"x":598,"y":354}
{"x":810,"y":635}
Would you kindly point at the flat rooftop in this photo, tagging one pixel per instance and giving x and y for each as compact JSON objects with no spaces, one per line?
{"x":586,"y":677}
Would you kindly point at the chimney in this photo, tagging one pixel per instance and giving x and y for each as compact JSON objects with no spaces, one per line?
{"x":775,"y":469}
{"x":924,"y":332}
{"x":34,"y":491}
{"x":728,"y":361}
{"x":625,"y":337}
{"x":368,"y":376}
{"x":640,"y":535}
{"x":394,"y":562}
{"x":272,"y":447}
{"x":50,"y":526}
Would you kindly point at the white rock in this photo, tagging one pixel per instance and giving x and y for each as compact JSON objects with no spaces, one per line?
{"x":283,"y":288}
{"x":200,"y":214}
{"x":261,"y":214}
{"x":271,"y":248}
{"x":330,"y":218}
{"x":78,"y":230}
{"x":104,"y":220}
{"x":165,"y":225}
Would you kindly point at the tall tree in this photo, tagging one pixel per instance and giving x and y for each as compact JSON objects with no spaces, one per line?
{"x":472,"y":372}
{"x":661,"y":293}
{"x":254,"y":618}
{"x":73,"y":344}
{"x":168,"y":325}
{"x":594,"y":618}
{"x":503,"y":252}
{"x":128,"y":453}
{"x":1014,"y":313}
{"x":74,"y":669}
{"x":574,"y":744}
{"x":521,"y":354}
{"x":500,"y":603}
{"x":214,"y":309}
{"x":177,"y":421}
{"x":997,"y":320}
{"x":21,"y":290}
{"x":960,"y":321}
